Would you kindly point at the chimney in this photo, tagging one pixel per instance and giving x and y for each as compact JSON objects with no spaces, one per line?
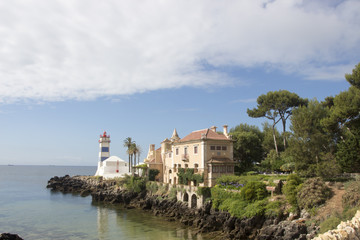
{"x":226,"y":131}
{"x":213,"y":128}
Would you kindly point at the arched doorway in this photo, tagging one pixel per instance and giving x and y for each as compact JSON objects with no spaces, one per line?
{"x":193,"y":201}
{"x":186,"y":197}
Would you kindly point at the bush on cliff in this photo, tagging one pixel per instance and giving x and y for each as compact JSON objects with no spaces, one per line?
{"x":330,"y":223}
{"x":153,"y":173}
{"x":237,"y":182}
{"x":351,"y":198}
{"x":135,"y":184}
{"x":313,"y":193}
{"x":253,"y":191}
{"x":249,"y":202}
{"x":291,"y":188}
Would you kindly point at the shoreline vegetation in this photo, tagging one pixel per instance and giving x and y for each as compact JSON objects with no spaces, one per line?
{"x":238,"y":207}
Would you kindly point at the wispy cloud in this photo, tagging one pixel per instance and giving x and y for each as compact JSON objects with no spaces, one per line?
{"x":85,"y":49}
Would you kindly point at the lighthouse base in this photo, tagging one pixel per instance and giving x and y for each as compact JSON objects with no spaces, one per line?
{"x":112,"y":167}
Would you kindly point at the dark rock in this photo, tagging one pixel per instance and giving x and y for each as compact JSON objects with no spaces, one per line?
{"x":9,"y":236}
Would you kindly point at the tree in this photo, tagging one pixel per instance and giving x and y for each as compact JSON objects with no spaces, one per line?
{"x":310,"y":141}
{"x":354,"y":78}
{"x":268,"y":141}
{"x":276,"y":106}
{"x":247,"y":145}
{"x":345,"y":112}
{"x":347,"y":155}
{"x":135,"y":152}
{"x":344,"y":120}
{"x":128,"y":144}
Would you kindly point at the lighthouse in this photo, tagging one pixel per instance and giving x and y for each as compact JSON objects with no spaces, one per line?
{"x":109,"y":166}
{"x":104,"y":144}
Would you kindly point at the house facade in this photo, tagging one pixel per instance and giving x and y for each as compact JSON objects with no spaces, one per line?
{"x":206,"y":151}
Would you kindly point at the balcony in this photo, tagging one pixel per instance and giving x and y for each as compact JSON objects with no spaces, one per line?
{"x":185,"y":157}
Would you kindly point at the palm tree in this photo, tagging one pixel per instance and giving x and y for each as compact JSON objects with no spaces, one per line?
{"x":128,"y":143}
{"x":133,"y":155}
{"x":136,"y":151}
{"x":139,"y":152}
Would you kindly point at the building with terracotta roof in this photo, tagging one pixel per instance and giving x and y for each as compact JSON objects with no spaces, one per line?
{"x":206,"y":151}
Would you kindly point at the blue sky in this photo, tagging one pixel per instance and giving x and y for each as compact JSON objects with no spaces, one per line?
{"x":72,"y":69}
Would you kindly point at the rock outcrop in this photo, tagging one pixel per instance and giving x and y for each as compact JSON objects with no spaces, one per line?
{"x":349,"y":230}
{"x":9,"y":236}
{"x":204,"y":220}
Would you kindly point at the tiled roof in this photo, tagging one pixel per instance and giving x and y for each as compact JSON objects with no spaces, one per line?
{"x":209,"y":134}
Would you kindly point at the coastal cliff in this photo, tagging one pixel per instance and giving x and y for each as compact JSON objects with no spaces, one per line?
{"x":203,"y":220}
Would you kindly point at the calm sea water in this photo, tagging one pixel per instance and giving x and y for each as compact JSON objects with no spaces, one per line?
{"x":34,"y":212}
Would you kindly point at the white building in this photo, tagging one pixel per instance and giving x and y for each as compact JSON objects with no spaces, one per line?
{"x":109,"y":166}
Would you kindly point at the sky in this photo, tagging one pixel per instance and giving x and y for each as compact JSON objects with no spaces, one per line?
{"x":71,"y":69}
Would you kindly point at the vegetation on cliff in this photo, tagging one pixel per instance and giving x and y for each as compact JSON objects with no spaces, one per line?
{"x":324,"y":136}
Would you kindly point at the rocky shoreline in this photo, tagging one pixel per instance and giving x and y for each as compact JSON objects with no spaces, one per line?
{"x":204,"y":220}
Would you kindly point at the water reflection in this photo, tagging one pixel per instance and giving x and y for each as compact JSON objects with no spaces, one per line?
{"x":115,"y":221}
{"x":102,"y":223}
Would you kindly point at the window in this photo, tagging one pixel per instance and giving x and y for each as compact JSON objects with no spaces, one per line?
{"x":195,"y":149}
{"x":229,"y":169}
{"x":212,"y":148}
{"x":185,"y":150}
{"x":223,"y":169}
{"x":186,"y":166}
{"x":196,"y":165}
{"x":177,"y":151}
{"x":224,"y":148}
{"x":179,"y":165}
{"x":218,"y":147}
{"x":215,"y":169}
{"x":105,"y":149}
{"x":169,"y":155}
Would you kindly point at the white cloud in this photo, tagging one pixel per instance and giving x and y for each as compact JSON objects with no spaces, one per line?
{"x":84,"y":49}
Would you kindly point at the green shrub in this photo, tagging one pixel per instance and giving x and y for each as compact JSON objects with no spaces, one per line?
{"x":152,"y":187}
{"x":330,"y":223}
{"x":135,"y":184}
{"x":219,"y":195}
{"x":273,"y":209}
{"x":173,"y":193}
{"x":291,"y":188}
{"x":351,"y":197}
{"x":256,"y":208}
{"x":253,"y":191}
{"x":153,"y":173}
{"x":204,"y":191}
{"x":313,"y":193}
{"x":349,"y":213}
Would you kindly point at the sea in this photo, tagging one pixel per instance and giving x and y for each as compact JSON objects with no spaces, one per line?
{"x":32,"y":211}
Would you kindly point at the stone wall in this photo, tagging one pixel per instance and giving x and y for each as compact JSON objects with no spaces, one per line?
{"x":349,"y":230}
